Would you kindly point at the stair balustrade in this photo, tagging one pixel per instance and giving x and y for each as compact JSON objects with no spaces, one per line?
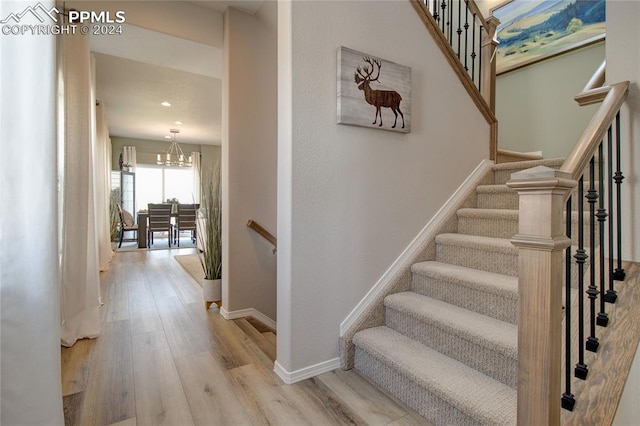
{"x":548,"y":199}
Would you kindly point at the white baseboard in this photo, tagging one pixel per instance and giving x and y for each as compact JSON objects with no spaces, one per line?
{"x":307,"y":372}
{"x":250,"y":312}
{"x":419,"y":242}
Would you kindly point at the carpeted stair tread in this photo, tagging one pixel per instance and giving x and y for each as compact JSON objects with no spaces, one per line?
{"x":498,"y":245}
{"x":498,"y":214}
{"x":490,"y":282}
{"x":478,"y":396}
{"x":493,"y":334}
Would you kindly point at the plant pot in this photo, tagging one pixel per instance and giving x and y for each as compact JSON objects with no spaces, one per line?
{"x":212,"y":290}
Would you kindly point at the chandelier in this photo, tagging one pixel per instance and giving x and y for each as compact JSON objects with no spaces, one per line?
{"x":174,"y":155}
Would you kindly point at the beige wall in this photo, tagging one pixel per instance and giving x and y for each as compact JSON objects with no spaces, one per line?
{"x":351,"y":199}
{"x":249,"y":153}
{"x":535,"y":106}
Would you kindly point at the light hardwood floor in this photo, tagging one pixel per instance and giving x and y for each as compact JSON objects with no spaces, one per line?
{"x":163,"y":360}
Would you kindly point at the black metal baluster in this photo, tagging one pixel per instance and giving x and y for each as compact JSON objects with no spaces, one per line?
{"x":473,"y":48}
{"x":592,"y":341}
{"x":450,"y":24}
{"x":459,"y":30}
{"x":443,"y":6}
{"x":568,"y":400}
{"x":480,"y":59}
{"x":619,"y":273}
{"x":581,"y":371}
{"x":611,"y":295}
{"x":466,"y":34}
{"x":603,"y":318}
{"x":436,"y":16}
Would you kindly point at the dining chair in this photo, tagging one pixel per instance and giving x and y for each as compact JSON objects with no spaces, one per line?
{"x":127,"y":223}
{"x":159,"y":221}
{"x":185,"y":221}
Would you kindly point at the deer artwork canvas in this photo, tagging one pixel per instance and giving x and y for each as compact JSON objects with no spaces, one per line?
{"x":373,"y":92}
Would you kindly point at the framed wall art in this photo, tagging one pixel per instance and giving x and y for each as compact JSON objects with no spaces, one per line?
{"x":373,"y":92}
{"x":534,"y":30}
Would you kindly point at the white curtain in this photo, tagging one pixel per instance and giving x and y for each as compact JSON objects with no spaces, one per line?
{"x":102,"y":173}
{"x":129,"y":156}
{"x":197,"y":170}
{"x":30,"y":392}
{"x":79,"y":269}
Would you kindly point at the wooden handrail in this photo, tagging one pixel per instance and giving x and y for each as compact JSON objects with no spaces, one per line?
{"x":614,"y":97}
{"x":263,"y":232}
{"x":598,"y":78}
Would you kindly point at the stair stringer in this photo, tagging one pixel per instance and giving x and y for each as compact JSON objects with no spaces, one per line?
{"x":370,"y":311}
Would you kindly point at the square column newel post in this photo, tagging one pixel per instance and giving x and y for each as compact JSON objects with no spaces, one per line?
{"x":541,"y":240}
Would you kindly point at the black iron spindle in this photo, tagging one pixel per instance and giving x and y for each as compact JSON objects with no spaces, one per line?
{"x":568,"y":400}
{"x":602,"y":319}
{"x":450,"y":24}
{"x":443,"y":6}
{"x":611,"y":295}
{"x":619,"y":273}
{"x":459,"y":30}
{"x":480,"y":58}
{"x":436,"y":16}
{"x":581,"y":371}
{"x":473,"y":48}
{"x":466,"y":34}
{"x":592,"y":341}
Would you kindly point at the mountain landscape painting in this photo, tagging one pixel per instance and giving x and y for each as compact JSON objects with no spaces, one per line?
{"x":530,"y":31}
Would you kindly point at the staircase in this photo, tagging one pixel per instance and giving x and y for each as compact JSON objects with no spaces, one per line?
{"x":448,"y":346}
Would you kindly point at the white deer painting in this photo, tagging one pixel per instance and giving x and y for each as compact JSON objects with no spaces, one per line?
{"x":373,"y":92}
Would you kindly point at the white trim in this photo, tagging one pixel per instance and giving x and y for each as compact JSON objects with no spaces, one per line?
{"x":413,"y":249}
{"x":307,"y":372}
{"x":249,"y":312}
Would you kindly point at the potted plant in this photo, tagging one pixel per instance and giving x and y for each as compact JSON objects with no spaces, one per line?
{"x":209,"y":234}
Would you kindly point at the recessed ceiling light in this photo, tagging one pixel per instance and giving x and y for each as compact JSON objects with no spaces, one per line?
{"x":165,"y":103}
{"x":179,"y":123}
{"x":167,"y":137}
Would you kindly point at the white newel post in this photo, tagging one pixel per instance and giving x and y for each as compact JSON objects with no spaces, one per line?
{"x":541,"y":241}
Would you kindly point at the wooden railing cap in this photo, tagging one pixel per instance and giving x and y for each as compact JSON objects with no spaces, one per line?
{"x":540,"y":177}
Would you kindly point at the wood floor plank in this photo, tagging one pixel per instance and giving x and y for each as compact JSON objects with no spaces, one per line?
{"x":75,"y":366}
{"x":72,"y":407}
{"x":128,"y":422}
{"x":366,"y":400}
{"x":210,"y":394}
{"x":109,"y":397}
{"x":259,"y":325}
{"x":271,"y":337}
{"x":257,"y":338}
{"x":238,"y":348}
{"x":320,"y":405}
{"x":116,"y":307}
{"x":142,"y":308}
{"x":159,"y":396}
{"x":183,"y":336}
{"x":264,"y":403}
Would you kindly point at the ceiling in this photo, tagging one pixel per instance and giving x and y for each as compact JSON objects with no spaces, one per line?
{"x":140,"y":68}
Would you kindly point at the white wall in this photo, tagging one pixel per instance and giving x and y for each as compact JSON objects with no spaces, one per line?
{"x":249,"y":155}
{"x":350,"y":199}
{"x":535,"y":106}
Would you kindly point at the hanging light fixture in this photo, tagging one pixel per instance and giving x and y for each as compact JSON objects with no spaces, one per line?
{"x":174,"y":155}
